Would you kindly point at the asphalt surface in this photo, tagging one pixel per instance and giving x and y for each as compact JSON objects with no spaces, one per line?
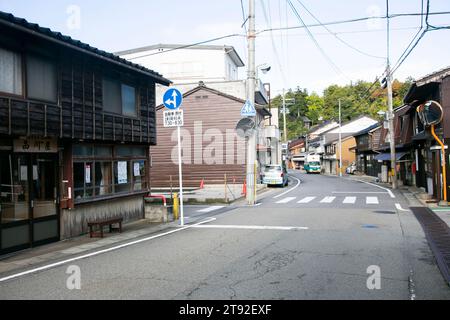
{"x":313,"y":240}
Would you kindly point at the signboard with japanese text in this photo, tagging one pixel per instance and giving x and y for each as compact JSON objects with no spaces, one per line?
{"x":36,"y":145}
{"x":173,"y":118}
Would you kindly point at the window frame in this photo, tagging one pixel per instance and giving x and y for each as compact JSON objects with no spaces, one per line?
{"x":136,"y":98}
{"x":23,"y":74}
{"x":25,"y":71}
{"x":113,"y":159}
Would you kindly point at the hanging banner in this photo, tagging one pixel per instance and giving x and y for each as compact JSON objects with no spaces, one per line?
{"x":88,"y":173}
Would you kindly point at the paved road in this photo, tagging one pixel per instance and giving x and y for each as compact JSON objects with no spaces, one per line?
{"x":314,"y":240}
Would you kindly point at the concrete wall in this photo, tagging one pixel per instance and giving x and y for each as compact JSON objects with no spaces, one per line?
{"x":74,"y":222}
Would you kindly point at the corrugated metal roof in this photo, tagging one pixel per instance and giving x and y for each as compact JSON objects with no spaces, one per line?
{"x":22,"y":24}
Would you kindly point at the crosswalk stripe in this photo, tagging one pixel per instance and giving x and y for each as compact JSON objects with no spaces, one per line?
{"x":286,"y":200}
{"x":349,"y":200}
{"x":307,"y":200}
{"x":372,"y":200}
{"x":328,"y":200}
{"x":210,"y":209}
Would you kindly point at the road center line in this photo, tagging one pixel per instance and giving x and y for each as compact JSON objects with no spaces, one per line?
{"x":96,"y":253}
{"x":209,"y":226}
{"x":290,"y":190}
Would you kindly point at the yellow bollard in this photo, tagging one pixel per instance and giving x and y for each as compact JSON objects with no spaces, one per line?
{"x":176,"y":206}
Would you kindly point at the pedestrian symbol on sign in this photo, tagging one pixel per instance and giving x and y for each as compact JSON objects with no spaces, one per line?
{"x":248,"y":110}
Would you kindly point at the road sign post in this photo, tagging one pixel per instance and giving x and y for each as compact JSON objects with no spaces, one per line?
{"x":175,"y":118}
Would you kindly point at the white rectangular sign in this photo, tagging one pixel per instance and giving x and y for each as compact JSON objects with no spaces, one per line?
{"x":173,"y":118}
{"x":122,"y":172}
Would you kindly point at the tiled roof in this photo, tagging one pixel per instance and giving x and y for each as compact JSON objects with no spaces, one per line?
{"x":19,"y":23}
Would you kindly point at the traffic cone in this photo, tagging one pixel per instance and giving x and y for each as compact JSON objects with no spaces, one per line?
{"x":202,"y":184}
{"x":244,"y":189}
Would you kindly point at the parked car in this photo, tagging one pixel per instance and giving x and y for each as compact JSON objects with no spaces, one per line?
{"x":351,"y":169}
{"x":276,"y":175}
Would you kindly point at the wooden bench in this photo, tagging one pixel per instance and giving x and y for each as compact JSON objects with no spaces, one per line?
{"x":101,"y":224}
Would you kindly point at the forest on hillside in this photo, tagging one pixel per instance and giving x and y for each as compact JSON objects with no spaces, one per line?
{"x":359,"y":98}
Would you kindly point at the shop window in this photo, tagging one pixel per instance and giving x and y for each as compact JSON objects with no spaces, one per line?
{"x":139,"y":181}
{"x":122,"y":176}
{"x":103,"y":178}
{"x":81,"y":150}
{"x":10,"y":72}
{"x":83,"y":180}
{"x":100,"y":171}
{"x":41,"y":79}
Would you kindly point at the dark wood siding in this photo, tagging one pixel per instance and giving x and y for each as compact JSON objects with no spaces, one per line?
{"x":79,"y":112}
{"x":214,"y":112}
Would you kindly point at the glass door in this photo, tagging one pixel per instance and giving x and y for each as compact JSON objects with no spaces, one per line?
{"x":44,"y":201}
{"x":15,"y":202}
{"x":29,"y":213}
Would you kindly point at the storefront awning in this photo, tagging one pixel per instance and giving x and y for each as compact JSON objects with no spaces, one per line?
{"x":387,"y":156}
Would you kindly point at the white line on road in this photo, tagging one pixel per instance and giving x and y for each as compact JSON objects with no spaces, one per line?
{"x":372,"y":200}
{"x":96,"y":253}
{"x":250,"y":227}
{"x":210,"y":209}
{"x":328,"y":200}
{"x":357,"y":192}
{"x":307,"y":200}
{"x":399,"y":207}
{"x":349,"y":200}
{"x":290,"y":190}
{"x":286,"y":200}
{"x":374,"y":185}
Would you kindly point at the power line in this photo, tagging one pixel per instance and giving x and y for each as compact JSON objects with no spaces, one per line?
{"x":334,"y":34}
{"x":334,"y":66}
{"x":274,"y":47}
{"x":189,"y":45}
{"x":362,"y":19}
{"x":244,"y":17}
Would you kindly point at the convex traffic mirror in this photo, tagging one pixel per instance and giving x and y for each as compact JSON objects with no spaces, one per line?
{"x":430,"y":113}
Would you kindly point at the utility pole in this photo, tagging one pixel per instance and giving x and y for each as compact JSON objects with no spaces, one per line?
{"x":340,"y":140}
{"x":284,"y":117}
{"x":251,"y":82}
{"x":390,"y":104}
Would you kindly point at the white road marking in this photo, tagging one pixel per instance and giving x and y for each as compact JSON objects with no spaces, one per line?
{"x":399,"y":207}
{"x":96,"y":253}
{"x":328,"y":200}
{"x":210,"y":209}
{"x":349,"y":200}
{"x":374,"y":185}
{"x":286,"y":200}
{"x":355,"y":192}
{"x":372,"y":200}
{"x":307,"y":200}
{"x":250,"y":227}
{"x":290,"y":190}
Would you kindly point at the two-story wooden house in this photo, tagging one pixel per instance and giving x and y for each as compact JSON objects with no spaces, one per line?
{"x":76,"y":126}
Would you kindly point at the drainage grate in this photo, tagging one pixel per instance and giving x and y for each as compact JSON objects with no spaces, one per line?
{"x":438,"y":236}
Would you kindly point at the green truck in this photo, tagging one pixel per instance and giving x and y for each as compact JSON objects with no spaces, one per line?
{"x":313,"y":164}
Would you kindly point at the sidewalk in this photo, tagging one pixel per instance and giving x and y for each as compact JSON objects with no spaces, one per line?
{"x":67,"y":249}
{"x":415,"y":196}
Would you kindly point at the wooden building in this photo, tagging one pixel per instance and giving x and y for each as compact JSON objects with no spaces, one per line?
{"x":429,"y":176}
{"x":76,"y":126}
{"x":210,"y":144}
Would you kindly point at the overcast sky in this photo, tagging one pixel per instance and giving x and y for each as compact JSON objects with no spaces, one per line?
{"x":115,"y":25}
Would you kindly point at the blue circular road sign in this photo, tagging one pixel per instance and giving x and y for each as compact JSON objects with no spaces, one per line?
{"x":173,"y":99}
